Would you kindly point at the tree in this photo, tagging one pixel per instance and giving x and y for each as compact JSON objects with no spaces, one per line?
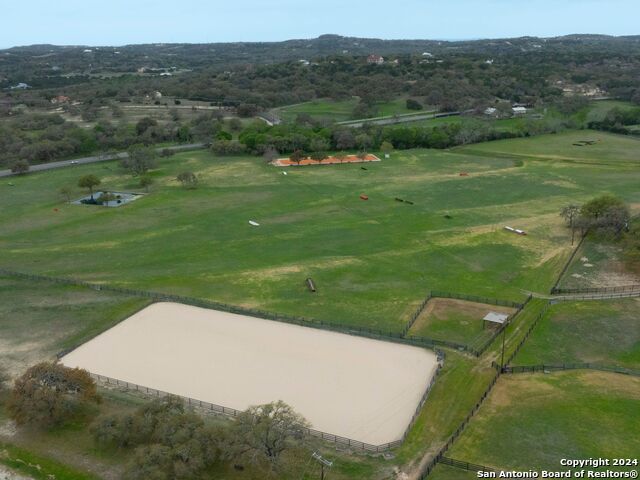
{"x":297,"y":156}
{"x":20,"y":167}
{"x":144,"y":124}
{"x":414,"y":104}
{"x":341,"y":156}
{"x":264,"y":432}
{"x":270,"y":154}
{"x":386,"y":148}
{"x":107,"y":197}
{"x":364,"y":141}
{"x":139,"y":159}
{"x":146,"y":181}
{"x":363,"y":155}
{"x":50,"y":394}
{"x":188,"y":179}
{"x":606,"y":214}
{"x":570,"y":214}
{"x":89,"y":181}
{"x":66,"y":192}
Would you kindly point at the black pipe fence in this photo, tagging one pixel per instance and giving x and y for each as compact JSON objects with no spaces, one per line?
{"x":428,"y":468}
{"x":515,"y":369}
{"x":568,"y":263}
{"x":232,"y":412}
{"x":415,"y":315}
{"x":526,"y":335}
{"x":367,"y":332}
{"x":472,"y":467}
{"x":596,"y":290}
{"x":475,"y":298}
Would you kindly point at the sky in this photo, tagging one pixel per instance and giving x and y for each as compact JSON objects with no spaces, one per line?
{"x":121,"y":22}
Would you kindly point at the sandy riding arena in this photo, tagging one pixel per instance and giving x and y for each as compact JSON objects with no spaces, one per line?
{"x":331,"y":160}
{"x":358,"y":388}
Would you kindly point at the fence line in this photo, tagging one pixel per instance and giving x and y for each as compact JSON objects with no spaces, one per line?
{"x":526,"y":335}
{"x":475,"y":298}
{"x":483,"y":348}
{"x":232,"y":412}
{"x":367,"y":332}
{"x":596,"y":290}
{"x":595,"y":296}
{"x":516,"y":369}
{"x":473,"y":467}
{"x":569,"y":261}
{"x":416,"y":314}
{"x":428,"y":468}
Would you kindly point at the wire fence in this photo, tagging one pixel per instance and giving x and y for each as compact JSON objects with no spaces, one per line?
{"x":570,"y":366}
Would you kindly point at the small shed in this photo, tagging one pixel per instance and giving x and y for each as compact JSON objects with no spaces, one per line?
{"x":494,"y":317}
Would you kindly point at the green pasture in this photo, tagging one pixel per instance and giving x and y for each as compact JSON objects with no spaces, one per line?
{"x":341,"y":110}
{"x":608,"y":150}
{"x":534,"y":420}
{"x":604,"y":332}
{"x":372,"y":261}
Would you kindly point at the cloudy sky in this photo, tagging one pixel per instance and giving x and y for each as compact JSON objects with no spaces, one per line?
{"x":119,"y":22}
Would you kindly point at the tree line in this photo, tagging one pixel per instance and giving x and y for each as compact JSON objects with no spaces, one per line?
{"x":162,"y":439}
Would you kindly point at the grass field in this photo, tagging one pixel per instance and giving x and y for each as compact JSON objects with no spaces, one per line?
{"x":372,"y":261}
{"x":604,"y":332}
{"x":456,"y":321}
{"x":534,"y":420}
{"x":598,"y":264}
{"x":41,"y":319}
{"x":609,"y":149}
{"x":338,"y":111}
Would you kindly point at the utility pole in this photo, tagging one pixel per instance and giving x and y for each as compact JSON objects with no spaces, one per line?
{"x":323,"y":463}
{"x":504,"y":333}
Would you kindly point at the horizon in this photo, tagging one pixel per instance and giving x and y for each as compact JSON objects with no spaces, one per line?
{"x":75,"y":22}
{"x":449,"y":40}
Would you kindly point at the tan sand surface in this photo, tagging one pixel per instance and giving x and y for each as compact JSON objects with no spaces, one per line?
{"x":355,"y":387}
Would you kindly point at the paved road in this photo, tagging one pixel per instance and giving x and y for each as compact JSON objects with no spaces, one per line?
{"x":399,"y":119}
{"x":97,"y":158}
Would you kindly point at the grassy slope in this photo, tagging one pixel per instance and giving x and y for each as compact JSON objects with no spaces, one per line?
{"x":604,"y":332}
{"x":532,"y":421}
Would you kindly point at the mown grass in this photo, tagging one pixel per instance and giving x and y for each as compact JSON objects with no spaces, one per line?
{"x":446,"y":472}
{"x":534,"y":420}
{"x":603,"y":332}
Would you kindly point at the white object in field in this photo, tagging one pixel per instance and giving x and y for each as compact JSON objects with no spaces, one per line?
{"x":386,"y":155}
{"x":521,"y":232}
{"x":496,"y":317}
{"x":510,"y":229}
{"x":255,"y":224}
{"x":284,"y":173}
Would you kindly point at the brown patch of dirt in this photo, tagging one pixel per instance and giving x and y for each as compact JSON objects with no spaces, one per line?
{"x":612,"y":382}
{"x":442,"y":308}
